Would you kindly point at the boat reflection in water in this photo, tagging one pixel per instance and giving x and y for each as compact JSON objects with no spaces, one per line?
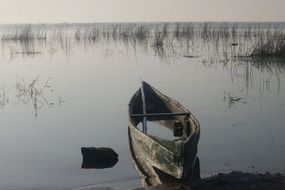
{"x":160,"y":160}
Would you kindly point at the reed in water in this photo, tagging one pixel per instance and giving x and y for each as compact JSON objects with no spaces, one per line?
{"x":232,"y":39}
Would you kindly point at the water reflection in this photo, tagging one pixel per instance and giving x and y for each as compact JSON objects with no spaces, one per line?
{"x":4,"y":99}
{"x":232,"y":100}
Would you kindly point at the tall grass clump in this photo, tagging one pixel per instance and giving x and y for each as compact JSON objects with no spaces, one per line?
{"x":141,"y":33}
{"x":271,"y":44}
{"x":94,"y":35}
{"x":158,"y":43}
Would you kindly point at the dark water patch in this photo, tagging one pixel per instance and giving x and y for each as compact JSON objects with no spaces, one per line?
{"x":29,"y":52}
{"x":190,"y":56}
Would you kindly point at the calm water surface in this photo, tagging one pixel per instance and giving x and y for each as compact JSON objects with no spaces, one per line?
{"x":83,"y":98}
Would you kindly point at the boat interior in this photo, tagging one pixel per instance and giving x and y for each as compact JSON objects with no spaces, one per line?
{"x":161,"y":110}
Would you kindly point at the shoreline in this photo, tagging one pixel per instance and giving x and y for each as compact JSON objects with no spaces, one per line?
{"x":241,"y":180}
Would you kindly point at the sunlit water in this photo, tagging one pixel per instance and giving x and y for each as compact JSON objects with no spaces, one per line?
{"x":84,"y":94}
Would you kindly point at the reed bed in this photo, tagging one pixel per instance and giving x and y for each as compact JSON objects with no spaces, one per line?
{"x":26,"y":33}
{"x":233,"y":39}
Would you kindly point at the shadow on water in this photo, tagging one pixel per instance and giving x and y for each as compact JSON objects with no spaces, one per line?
{"x":258,"y":74}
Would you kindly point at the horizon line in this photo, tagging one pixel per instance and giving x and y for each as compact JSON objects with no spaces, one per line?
{"x":133,"y":22}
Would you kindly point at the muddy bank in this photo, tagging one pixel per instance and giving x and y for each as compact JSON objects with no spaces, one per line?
{"x":241,"y":180}
{"x":230,"y":181}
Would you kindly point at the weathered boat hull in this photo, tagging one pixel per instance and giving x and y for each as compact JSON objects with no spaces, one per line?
{"x":152,"y":176}
{"x":173,"y":157}
{"x":155,"y":154}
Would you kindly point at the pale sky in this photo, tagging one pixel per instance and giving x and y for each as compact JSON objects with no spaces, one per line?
{"x":54,"y":11}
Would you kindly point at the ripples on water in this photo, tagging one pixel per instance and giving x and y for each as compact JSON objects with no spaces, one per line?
{"x":67,"y":86}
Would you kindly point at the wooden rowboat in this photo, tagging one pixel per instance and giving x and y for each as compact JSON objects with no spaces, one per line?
{"x":175,"y":157}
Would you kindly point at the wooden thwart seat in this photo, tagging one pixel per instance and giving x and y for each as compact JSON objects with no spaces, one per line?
{"x":159,"y":114}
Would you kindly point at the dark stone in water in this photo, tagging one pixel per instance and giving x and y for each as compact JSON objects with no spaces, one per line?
{"x":98,"y":158}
